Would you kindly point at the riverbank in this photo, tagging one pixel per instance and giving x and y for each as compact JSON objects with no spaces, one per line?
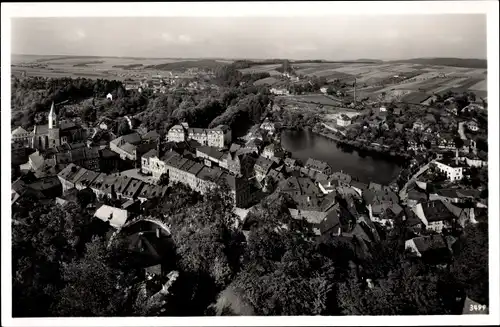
{"x":372,"y":150}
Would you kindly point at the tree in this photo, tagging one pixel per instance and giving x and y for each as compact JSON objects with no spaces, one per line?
{"x":85,"y":197}
{"x":163,"y":180}
{"x":459,"y":143}
{"x":43,"y":237}
{"x":93,"y":286}
{"x":123,"y":128}
{"x":470,"y":266}
{"x":89,"y":114}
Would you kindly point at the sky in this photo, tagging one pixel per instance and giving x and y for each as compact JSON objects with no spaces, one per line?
{"x":331,"y":38}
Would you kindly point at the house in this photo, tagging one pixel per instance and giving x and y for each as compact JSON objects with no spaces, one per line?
{"x":36,"y":161}
{"x":177,"y":134}
{"x":451,"y":168}
{"x":435,"y":215}
{"x":418,"y":125}
{"x":446,"y":141}
{"x":473,"y":160}
{"x":328,"y":186}
{"x":379,"y":200}
{"x":290,"y":162}
{"x":319,"y":166}
{"x":273,"y":150}
{"x":68,"y":197}
{"x":415,"y":197}
{"x":219,"y":136}
{"x":382,"y":109}
{"x":324,"y":90}
{"x":341,"y":177}
{"x":109,"y":97}
{"x":126,"y":145}
{"x":211,"y":155}
{"x":279,"y":91}
{"x":70,"y":175}
{"x":240,"y":163}
{"x":359,"y":187}
{"x":262,"y":167}
{"x":20,"y":135}
{"x":268,"y":126}
{"x":333,"y":224}
{"x":397,"y":111}
{"x":472,"y":126}
{"x":150,"y":136}
{"x":343,"y":120}
{"x":452,"y":110}
{"x":255,"y":145}
{"x":432,"y":245}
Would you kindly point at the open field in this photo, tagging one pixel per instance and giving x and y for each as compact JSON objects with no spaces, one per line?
{"x":396,"y":79}
{"x":266,"y":81}
{"x":316,"y":99}
{"x":271,"y":69}
{"x":480,"y":86}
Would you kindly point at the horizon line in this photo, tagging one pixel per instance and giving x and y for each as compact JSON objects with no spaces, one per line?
{"x":235,"y":59}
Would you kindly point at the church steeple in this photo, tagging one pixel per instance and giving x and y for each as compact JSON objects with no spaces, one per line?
{"x":52,"y":117}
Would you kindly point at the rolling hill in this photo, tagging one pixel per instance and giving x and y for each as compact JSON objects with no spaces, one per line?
{"x":453,"y":62}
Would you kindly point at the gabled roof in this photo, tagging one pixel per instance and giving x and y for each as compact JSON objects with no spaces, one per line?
{"x":19,"y":131}
{"x":150,"y":153}
{"x":133,"y":188}
{"x":359,"y":185}
{"x":331,"y":223}
{"x":317,"y":164}
{"x":132,"y":138}
{"x":436,"y":211}
{"x":151,"y":135}
{"x":36,"y":160}
{"x":264,"y":163}
{"x":210,"y":151}
{"x":427,"y":243}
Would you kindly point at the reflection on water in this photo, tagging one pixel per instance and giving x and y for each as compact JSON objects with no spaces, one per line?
{"x":306,"y":144}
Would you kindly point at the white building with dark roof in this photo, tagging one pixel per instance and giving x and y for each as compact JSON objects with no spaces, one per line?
{"x":452,"y":168}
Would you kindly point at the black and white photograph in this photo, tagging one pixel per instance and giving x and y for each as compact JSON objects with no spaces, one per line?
{"x":319,"y":160}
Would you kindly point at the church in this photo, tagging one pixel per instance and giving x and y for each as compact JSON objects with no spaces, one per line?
{"x":56,"y":133}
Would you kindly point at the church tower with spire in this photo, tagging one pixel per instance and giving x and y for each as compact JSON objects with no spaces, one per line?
{"x":52,"y":117}
{"x":53,"y":137}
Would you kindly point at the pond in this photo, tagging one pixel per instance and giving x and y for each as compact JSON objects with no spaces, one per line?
{"x":304,"y":144}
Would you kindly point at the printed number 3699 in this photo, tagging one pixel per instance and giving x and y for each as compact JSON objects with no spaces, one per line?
{"x":477,"y":307}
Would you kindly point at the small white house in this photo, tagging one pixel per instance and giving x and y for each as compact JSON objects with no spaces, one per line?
{"x":279,"y":91}
{"x":323,"y":89}
{"x":472,"y":126}
{"x":383,"y":109}
{"x":109,"y":97}
{"x":343,"y":120}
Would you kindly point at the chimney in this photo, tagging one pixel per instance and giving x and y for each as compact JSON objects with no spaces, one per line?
{"x":329,"y":183}
{"x":157,"y":233}
{"x":339,"y":232}
{"x":308,"y":198}
{"x":456,"y":157}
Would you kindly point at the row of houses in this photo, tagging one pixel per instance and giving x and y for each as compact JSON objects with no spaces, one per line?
{"x":108,"y":185}
{"x":203,"y":177}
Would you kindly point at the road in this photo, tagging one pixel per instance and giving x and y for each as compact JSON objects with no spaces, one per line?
{"x":333,"y":129}
{"x":403,"y":194}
